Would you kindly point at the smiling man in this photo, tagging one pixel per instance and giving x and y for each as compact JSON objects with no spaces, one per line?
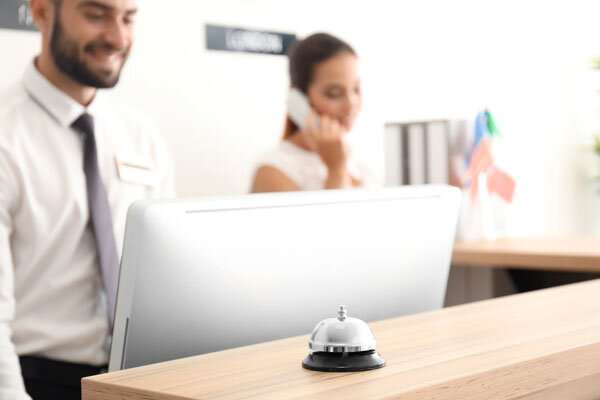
{"x":71,"y":163}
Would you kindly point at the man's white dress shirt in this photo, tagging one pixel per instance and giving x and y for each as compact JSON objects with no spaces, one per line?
{"x":51,"y":299}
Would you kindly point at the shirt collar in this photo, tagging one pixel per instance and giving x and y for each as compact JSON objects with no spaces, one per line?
{"x":63,"y":108}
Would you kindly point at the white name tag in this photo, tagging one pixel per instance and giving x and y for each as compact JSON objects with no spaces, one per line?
{"x":136,"y":169}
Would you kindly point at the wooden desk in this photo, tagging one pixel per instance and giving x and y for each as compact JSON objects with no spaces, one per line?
{"x":572,"y":254}
{"x":537,"y":345}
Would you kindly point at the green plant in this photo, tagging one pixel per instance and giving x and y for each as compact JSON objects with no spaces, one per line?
{"x":595,"y":65}
{"x":596,"y":145}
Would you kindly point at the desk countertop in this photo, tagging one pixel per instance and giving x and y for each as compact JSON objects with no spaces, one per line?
{"x":580,"y":254}
{"x":538,"y":345}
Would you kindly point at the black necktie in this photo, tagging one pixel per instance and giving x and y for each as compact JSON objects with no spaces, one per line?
{"x":100,"y":215}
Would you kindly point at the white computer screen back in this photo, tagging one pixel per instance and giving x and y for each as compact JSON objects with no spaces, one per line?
{"x":199,"y":276}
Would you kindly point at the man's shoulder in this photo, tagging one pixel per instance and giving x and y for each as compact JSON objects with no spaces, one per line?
{"x":12,"y":99}
{"x":14,"y":105}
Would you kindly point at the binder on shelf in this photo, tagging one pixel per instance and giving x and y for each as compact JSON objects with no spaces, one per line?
{"x":417,"y":153}
{"x":437,"y":152}
{"x":421,"y":152}
{"x":393,"y":155}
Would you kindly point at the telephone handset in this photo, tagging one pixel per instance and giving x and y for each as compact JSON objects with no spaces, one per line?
{"x":298,"y":108}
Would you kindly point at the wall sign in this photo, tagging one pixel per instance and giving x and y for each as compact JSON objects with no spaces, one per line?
{"x":15,"y":14}
{"x":226,"y":38}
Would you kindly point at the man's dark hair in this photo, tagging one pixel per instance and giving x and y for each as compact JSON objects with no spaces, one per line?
{"x":66,"y":56}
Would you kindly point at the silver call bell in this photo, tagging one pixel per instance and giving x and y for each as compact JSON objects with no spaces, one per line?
{"x":342,"y":344}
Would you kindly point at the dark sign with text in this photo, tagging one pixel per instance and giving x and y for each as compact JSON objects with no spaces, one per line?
{"x":247,"y":41}
{"x":15,"y":14}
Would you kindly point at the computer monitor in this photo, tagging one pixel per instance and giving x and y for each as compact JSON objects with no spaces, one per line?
{"x":204,"y":275}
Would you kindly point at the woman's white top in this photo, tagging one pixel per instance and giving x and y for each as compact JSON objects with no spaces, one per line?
{"x":306,"y":168}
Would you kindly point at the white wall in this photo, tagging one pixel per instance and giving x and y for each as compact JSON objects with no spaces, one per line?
{"x":527,"y":61}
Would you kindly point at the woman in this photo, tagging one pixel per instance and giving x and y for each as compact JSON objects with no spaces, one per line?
{"x":325,"y":69}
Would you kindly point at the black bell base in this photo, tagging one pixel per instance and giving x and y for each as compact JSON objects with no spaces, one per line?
{"x":343,"y":362}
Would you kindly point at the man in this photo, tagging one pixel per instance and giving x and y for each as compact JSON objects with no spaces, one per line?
{"x":71,"y":163}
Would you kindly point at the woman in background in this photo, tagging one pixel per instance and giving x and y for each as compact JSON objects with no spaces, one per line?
{"x":325,"y":69}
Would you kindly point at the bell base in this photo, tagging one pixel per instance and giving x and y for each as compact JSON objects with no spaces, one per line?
{"x":343,"y":362}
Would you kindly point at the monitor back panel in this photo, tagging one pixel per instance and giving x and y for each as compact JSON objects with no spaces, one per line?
{"x":206,"y":278}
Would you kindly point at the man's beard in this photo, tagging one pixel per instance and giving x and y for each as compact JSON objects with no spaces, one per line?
{"x":66,"y":55}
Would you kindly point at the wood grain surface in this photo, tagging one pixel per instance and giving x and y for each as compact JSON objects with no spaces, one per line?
{"x":537,"y":345}
{"x":576,"y":254}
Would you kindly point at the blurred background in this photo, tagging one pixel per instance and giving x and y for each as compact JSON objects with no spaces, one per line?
{"x":531,"y":63}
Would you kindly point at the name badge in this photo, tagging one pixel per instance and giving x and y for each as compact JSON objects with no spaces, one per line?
{"x":136,"y":169}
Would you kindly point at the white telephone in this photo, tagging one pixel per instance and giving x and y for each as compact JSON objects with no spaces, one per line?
{"x":298,"y":108}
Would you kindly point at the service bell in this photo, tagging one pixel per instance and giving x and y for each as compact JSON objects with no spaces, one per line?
{"x":342,"y":344}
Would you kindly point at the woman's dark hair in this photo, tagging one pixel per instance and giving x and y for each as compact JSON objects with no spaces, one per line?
{"x":303,"y":56}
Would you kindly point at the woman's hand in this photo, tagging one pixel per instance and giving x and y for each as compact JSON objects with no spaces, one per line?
{"x":327,"y":140}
